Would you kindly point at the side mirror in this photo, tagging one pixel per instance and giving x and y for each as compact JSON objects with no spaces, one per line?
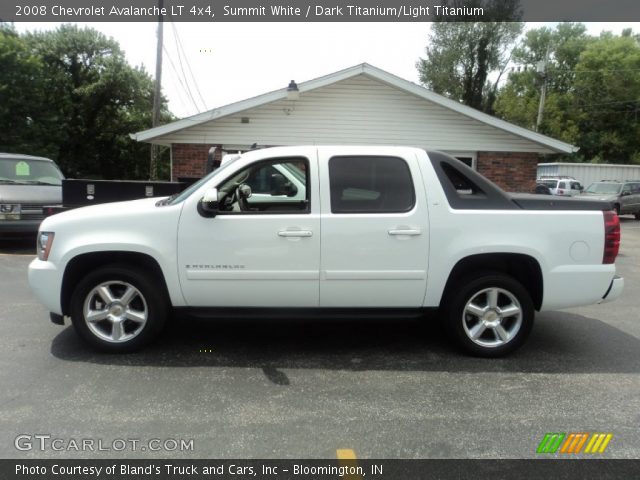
{"x":244,"y":191}
{"x":208,"y":206}
{"x":626,"y":192}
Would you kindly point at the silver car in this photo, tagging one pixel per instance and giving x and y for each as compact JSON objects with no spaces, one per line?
{"x":625,"y":196}
{"x":27,"y":184}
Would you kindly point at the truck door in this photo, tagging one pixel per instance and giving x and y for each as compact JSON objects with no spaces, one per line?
{"x":374,"y":225}
{"x":258,"y":254}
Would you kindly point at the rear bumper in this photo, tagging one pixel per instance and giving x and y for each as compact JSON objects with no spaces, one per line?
{"x":614,"y":291}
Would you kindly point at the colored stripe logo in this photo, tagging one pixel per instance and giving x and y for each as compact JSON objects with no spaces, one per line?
{"x":574,"y":443}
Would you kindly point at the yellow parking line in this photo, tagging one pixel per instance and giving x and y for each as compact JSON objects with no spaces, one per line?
{"x":347,"y":457}
{"x":346,"y":454}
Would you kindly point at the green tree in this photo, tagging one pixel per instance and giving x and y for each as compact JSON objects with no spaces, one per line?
{"x":559,"y":49}
{"x":593,"y":90}
{"x":21,"y":95}
{"x":88,"y":99}
{"x":607,"y":92}
{"x":461,"y":56}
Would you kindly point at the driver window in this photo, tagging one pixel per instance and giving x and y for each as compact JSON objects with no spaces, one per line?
{"x":272,"y":186}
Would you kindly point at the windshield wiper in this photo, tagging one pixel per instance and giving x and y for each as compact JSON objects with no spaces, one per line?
{"x":165,"y":201}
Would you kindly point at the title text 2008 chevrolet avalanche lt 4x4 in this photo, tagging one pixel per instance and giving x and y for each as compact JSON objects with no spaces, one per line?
{"x":328,"y":229}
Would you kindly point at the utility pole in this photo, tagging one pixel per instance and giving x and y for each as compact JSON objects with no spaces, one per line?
{"x":542,"y":72}
{"x":157,"y":94}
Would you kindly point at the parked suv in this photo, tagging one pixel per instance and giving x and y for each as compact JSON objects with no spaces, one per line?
{"x":564,"y":186}
{"x":27,"y":184}
{"x":625,"y":196}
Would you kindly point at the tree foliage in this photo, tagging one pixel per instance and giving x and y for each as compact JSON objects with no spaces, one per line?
{"x":70,"y":94}
{"x":593,"y":90}
{"x":607,"y":99}
{"x":560,"y":48}
{"x":461,"y":55}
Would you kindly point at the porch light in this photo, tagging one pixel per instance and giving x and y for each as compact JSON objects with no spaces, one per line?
{"x":292,"y":91}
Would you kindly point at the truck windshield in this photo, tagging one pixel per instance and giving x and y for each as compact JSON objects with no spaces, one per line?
{"x":606,"y":188}
{"x":188,"y":191}
{"x":29,"y":172}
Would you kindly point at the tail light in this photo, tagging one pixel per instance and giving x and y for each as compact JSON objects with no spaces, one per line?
{"x":611,"y":236}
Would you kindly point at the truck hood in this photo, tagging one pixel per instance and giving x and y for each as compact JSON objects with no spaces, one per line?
{"x":40,"y":194}
{"x":99,"y":213}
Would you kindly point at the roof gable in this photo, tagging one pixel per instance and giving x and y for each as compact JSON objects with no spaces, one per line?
{"x":153,"y":135}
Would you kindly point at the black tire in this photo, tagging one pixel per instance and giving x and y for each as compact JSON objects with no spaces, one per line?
{"x":147,"y":299}
{"x":616,"y":207}
{"x":461,"y":324}
{"x":637,"y":215}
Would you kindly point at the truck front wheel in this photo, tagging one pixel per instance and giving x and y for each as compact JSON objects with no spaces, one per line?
{"x":118,"y":309}
{"x":489,"y":314}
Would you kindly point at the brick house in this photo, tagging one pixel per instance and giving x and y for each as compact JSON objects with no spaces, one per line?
{"x":361,"y":105}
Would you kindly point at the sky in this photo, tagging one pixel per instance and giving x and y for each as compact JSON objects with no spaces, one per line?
{"x":228,"y":62}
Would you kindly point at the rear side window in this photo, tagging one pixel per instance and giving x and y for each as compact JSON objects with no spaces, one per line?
{"x":461,"y":183}
{"x":370,"y":184}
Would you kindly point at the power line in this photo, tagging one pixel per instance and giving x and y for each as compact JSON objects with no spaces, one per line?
{"x":185,"y":88}
{"x":608,"y":103}
{"x":552,"y":70}
{"x":186,"y":83}
{"x":173,"y":75}
{"x":184,"y":76}
{"x":186,"y":59}
{"x":600,"y":71}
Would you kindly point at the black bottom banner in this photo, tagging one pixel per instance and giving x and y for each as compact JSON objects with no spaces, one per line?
{"x":161,"y":469}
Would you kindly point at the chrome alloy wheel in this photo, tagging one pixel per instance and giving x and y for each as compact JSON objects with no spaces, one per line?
{"x":492,"y":317}
{"x":115,"y":311}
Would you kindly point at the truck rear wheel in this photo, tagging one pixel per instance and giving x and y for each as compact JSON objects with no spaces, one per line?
{"x":118,"y":309}
{"x":490,"y":314}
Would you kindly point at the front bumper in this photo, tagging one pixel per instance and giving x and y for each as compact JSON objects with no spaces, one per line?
{"x":614,"y":291}
{"x":46,"y":282}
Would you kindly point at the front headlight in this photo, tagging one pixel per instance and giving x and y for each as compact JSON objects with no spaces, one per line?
{"x":45,"y":240}
{"x":9,"y":211}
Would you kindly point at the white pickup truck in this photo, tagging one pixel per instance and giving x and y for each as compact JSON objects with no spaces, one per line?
{"x":329,"y":230}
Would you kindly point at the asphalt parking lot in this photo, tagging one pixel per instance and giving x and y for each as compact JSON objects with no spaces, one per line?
{"x":303,"y":390}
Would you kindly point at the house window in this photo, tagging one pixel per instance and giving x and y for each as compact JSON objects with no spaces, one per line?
{"x":468,"y":158}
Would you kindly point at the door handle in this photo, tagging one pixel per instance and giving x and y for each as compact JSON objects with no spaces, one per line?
{"x":295,"y":233}
{"x":405,"y":232}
